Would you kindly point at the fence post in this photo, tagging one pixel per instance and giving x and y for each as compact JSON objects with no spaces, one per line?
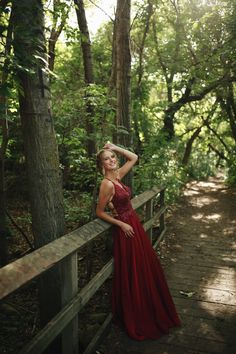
{"x":162,"y":216}
{"x":148,"y":216}
{"x":69,"y":271}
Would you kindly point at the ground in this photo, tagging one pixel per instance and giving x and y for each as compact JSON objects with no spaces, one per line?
{"x":198,"y":255}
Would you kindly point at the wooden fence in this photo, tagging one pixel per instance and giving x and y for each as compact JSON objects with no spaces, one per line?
{"x":18,"y":273}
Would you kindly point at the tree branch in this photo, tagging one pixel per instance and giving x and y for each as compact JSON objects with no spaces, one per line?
{"x":219,"y":153}
{"x":218,"y":136}
{"x":92,"y":2}
{"x":20,"y":230}
{"x":55,"y":32}
{"x":3,"y":3}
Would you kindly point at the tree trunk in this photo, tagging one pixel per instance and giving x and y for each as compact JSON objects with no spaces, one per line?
{"x":112,"y":81}
{"x":60,"y":12}
{"x":123,"y":73}
{"x":196,"y":133}
{"x":88,"y":72}
{"x":3,"y":225}
{"x":231,"y":110}
{"x":138,"y":102}
{"x":40,"y":150}
{"x":189,"y":146}
{"x":123,"y":65}
{"x":4,"y":232}
{"x":169,"y":73}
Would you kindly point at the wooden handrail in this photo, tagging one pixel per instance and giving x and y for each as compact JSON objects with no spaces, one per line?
{"x":20,"y":272}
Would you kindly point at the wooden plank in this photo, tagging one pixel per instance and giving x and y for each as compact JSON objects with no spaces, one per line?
{"x":150,"y":222}
{"x":162,"y":216}
{"x":148,"y":216}
{"x":209,"y":295}
{"x":196,"y":247}
{"x":209,"y":259}
{"x":211,"y":306}
{"x":56,"y":325}
{"x":185,"y":343}
{"x":191,"y":342}
{"x":210,"y":240}
{"x":214,"y":256}
{"x":69,"y":272}
{"x":160,"y":237}
{"x":20,"y":272}
{"x":188,"y":282}
{"x":98,"y":336}
{"x":142,"y":198}
{"x":209,"y":328}
{"x":209,"y":312}
{"x":198,"y":268}
{"x":189,"y":263}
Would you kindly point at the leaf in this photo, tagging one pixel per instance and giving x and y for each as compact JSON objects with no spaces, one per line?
{"x":187,"y":293}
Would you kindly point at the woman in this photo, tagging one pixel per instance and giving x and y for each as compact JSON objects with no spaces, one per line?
{"x":141,"y":301}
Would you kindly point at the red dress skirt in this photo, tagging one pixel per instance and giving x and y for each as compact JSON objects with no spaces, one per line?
{"x":141,"y":300}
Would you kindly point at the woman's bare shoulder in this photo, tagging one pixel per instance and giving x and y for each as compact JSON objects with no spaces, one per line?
{"x":106,"y":185}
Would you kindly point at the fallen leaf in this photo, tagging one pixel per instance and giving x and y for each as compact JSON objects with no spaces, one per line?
{"x":187,"y":293}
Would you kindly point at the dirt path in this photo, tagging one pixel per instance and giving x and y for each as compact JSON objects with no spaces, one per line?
{"x":199,"y":258}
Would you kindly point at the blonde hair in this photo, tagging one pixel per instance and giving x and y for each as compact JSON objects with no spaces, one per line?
{"x":99,"y":159}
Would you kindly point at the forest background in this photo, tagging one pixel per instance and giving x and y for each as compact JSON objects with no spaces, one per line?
{"x":157,"y":77}
{"x":174,"y":105}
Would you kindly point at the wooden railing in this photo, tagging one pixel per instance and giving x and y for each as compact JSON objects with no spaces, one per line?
{"x":18,"y":273}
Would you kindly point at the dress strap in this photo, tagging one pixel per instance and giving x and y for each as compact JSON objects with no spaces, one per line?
{"x":119,"y":184}
{"x":109,"y":179}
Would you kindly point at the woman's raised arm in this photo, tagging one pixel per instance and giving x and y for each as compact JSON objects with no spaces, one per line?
{"x":130,"y":156}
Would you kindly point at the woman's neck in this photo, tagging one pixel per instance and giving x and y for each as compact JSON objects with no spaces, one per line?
{"x":111,"y":175}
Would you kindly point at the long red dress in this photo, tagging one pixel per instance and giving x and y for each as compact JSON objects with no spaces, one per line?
{"x":141,"y":300}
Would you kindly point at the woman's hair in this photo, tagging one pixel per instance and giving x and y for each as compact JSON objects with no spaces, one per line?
{"x":99,"y":159}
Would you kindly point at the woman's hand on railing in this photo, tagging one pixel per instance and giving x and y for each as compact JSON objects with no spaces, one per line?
{"x":127,"y":229}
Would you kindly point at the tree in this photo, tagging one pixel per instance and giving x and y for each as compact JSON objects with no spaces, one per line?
{"x":189,"y":44}
{"x":40,"y":149}
{"x":59,"y":14}
{"x":88,"y":71}
{"x":139,"y":91}
{"x":5,"y":136}
{"x":123,"y":74}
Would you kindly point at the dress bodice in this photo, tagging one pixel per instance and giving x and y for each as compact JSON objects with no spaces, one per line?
{"x":121,"y":200}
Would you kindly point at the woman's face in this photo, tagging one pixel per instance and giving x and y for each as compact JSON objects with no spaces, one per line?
{"x":109,"y":160}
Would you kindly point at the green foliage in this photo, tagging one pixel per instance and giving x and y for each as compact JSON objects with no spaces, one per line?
{"x":231,"y":170}
{"x":159,"y":166}
{"x":77,"y":208}
{"x":70,"y":98}
{"x":186,"y":41}
{"x":201,"y":166}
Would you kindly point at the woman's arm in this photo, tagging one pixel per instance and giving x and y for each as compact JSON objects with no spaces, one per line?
{"x":130,"y":156}
{"x":105,"y":195}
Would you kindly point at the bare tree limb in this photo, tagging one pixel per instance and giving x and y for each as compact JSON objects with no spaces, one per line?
{"x":92,"y":2}
{"x":20,"y":230}
{"x":218,"y":136}
{"x":219,"y":153}
{"x":55,"y":33}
